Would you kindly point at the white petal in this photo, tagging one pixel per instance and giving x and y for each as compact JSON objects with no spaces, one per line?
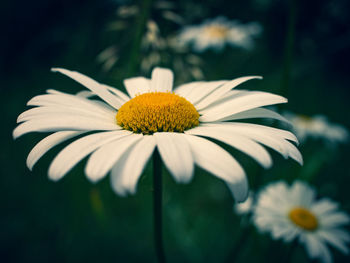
{"x":103,"y":159}
{"x":230,"y":95}
{"x":197,"y":92}
{"x":324,"y":206}
{"x":185,"y":89}
{"x":136,"y":86}
{"x":162,"y":80}
{"x":222,"y":90}
{"x":78,"y":149}
{"x":279,"y":231}
{"x":293,"y":152}
{"x":271,"y":137}
{"x":176,"y":155}
{"x":239,"y":190}
{"x":312,"y":245}
{"x":245,"y":128}
{"x":46,"y":144}
{"x":255,"y":113}
{"x":326,"y":255}
{"x":217,"y":161}
{"x":130,"y":170}
{"x":117,"y":92}
{"x":48,"y":111}
{"x":63,"y":122}
{"x":331,"y":237}
{"x":84,"y":94}
{"x":242,"y":143}
{"x":334,"y":219}
{"x":69,"y":100}
{"x":291,"y":233}
{"x":245,"y":102}
{"x":92,"y":85}
{"x":53,"y":91}
{"x":301,"y":194}
{"x":316,"y":248}
{"x":117,"y":177}
{"x":121,"y":95}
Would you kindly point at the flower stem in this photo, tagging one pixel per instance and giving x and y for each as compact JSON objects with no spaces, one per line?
{"x":140,"y":27}
{"x":240,"y":243}
{"x":157,"y":206}
{"x":289,"y":255}
{"x":289,"y":46}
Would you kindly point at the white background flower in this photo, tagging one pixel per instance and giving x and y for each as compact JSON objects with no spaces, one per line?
{"x":125,"y":153}
{"x":292,"y":212}
{"x":317,"y":127}
{"x":216,"y":33}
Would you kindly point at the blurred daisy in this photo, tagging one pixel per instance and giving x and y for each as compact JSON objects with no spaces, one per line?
{"x":127,"y":128}
{"x":317,"y":127}
{"x":292,"y":212}
{"x":216,"y":33}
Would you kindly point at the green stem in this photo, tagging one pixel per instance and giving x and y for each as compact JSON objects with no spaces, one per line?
{"x":241,"y":241}
{"x":157,"y":206}
{"x":288,"y":55}
{"x":289,"y":255}
{"x":140,"y":26}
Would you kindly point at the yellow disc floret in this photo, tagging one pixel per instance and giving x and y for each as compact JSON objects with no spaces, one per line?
{"x":303,"y":218}
{"x":157,"y":112}
{"x":216,"y":31}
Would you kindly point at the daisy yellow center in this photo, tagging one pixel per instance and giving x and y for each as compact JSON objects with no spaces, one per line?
{"x":216,"y":31}
{"x":157,"y":112}
{"x":303,"y":218}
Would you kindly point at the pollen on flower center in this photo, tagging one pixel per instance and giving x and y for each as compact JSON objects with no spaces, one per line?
{"x":216,"y":31}
{"x":303,"y":218}
{"x":157,"y":112}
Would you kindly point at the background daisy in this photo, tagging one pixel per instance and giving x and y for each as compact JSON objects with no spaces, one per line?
{"x":217,"y":33}
{"x":317,"y":127}
{"x":292,"y":212}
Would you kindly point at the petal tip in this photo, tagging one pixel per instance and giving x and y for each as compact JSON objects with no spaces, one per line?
{"x":56,"y":69}
{"x":15,"y":134}
{"x":30,"y":167}
{"x":54,"y":177}
{"x":301,"y":161}
{"x":92,"y":180}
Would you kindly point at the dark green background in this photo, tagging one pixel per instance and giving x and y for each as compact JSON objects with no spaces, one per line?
{"x":75,"y":221}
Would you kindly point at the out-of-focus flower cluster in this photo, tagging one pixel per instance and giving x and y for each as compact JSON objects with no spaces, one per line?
{"x":176,"y":44}
{"x":293,"y":213}
{"x":218,"y":32}
{"x":317,"y":127}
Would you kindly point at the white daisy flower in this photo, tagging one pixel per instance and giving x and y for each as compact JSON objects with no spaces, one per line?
{"x":317,"y":127}
{"x":292,"y":212}
{"x":216,"y":33}
{"x":127,"y":129}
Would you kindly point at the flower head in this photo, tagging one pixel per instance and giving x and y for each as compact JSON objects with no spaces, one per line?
{"x":216,"y":33}
{"x":317,"y":127}
{"x":292,"y":212}
{"x":124,"y":130}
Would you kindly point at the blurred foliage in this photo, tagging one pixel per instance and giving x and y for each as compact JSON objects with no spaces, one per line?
{"x":75,"y":221}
